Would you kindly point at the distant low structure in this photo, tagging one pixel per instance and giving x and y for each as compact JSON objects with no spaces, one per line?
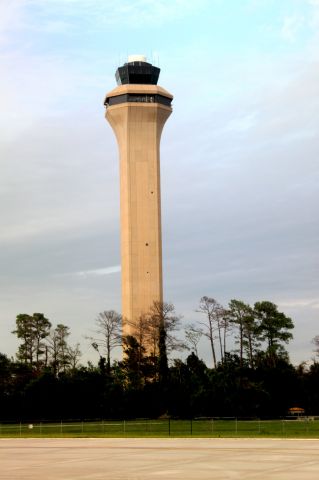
{"x":296,"y":411}
{"x":137,"y":110}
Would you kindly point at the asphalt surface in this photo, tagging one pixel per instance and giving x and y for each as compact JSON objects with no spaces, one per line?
{"x":169,"y":458}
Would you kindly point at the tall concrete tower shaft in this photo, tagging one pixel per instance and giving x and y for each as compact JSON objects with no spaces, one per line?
{"x":137,"y":111}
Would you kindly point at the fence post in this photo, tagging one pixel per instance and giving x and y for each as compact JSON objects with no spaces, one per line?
{"x":169,"y":427}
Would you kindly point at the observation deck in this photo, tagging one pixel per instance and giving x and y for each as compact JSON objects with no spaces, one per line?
{"x":137,"y":83}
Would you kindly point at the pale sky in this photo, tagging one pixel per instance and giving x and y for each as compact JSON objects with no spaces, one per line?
{"x":239,"y":157}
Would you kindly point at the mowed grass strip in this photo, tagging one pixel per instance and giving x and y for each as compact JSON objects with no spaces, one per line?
{"x":164,"y":428}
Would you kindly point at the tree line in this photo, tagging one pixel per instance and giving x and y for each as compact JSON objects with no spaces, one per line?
{"x":250,"y":373}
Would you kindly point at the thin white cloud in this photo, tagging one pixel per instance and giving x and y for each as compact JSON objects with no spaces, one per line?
{"x":11,"y":13}
{"x":132,"y":13}
{"x":241,"y":123}
{"x":98,"y":271}
{"x":314,"y":21}
{"x":312,"y":303}
{"x":291,"y":27}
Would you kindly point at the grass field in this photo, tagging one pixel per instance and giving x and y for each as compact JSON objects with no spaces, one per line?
{"x":301,"y":428}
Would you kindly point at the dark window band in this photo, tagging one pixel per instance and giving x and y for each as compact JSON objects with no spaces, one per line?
{"x":137,"y":97}
{"x":137,"y":73}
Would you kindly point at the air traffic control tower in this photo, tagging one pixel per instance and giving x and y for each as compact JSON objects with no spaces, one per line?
{"x":137,"y":110}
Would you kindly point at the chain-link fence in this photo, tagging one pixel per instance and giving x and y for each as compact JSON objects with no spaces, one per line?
{"x":303,"y":427}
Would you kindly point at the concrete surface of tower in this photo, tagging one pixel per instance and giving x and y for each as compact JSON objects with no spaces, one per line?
{"x":137,"y":110}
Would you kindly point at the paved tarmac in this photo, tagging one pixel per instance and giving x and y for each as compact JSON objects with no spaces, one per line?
{"x":151,"y":459}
